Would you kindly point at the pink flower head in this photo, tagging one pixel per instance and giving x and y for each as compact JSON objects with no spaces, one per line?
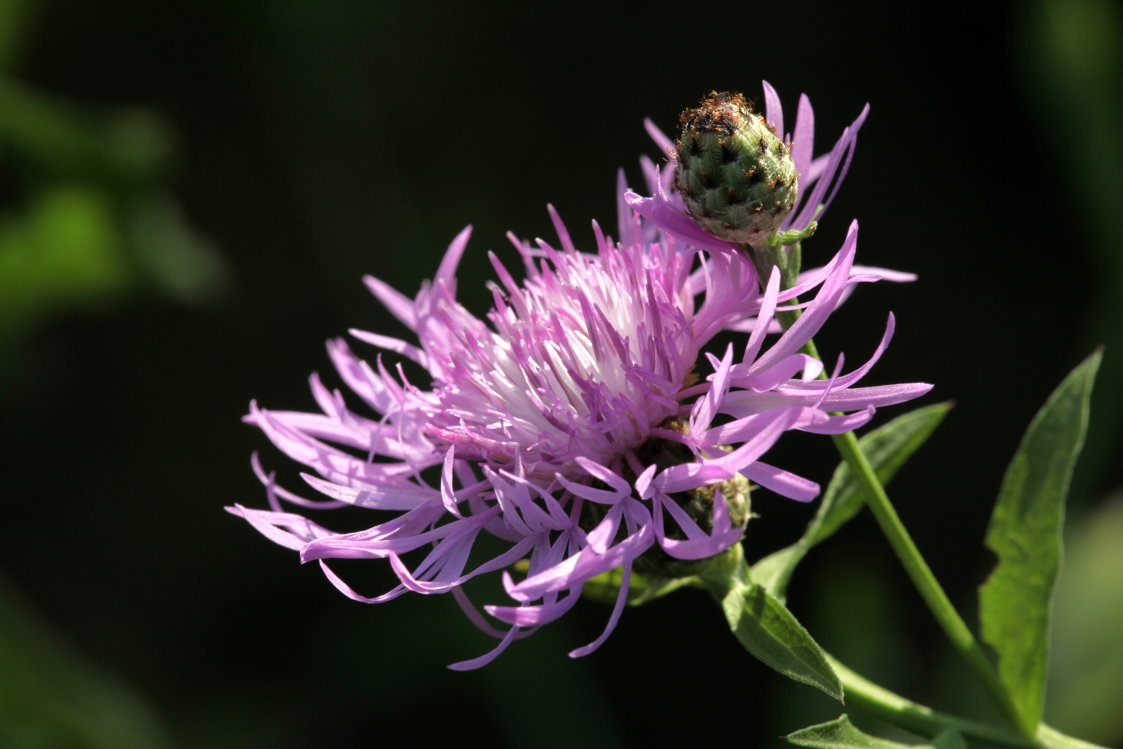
{"x":570,"y":424}
{"x":819,"y":178}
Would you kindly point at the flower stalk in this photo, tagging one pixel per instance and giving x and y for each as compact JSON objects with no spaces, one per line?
{"x":923,"y":720}
{"x":941,"y":607}
{"x":729,"y":572}
{"x":957,"y":631}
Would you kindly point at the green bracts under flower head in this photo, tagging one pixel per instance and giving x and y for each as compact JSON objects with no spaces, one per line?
{"x":735,"y":173}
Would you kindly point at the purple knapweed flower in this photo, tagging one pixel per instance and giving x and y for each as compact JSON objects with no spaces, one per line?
{"x":581,"y":424}
{"x":819,"y":178}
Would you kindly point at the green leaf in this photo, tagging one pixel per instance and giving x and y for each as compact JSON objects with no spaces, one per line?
{"x":64,"y":250}
{"x":841,"y":734}
{"x":766,"y":628}
{"x":887,"y":449}
{"x":1025,"y":534}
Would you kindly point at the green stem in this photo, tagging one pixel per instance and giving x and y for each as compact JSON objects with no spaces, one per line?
{"x":921,"y":574}
{"x":920,"y":719}
{"x":894,"y":530}
{"x":1051,"y":738}
{"x":918,"y":570}
{"x":728,"y":572}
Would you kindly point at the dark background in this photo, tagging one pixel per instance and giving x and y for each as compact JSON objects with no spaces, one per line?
{"x":241,"y":165}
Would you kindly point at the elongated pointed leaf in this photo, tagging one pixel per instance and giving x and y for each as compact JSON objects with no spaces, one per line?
{"x":766,"y":628}
{"x":840,"y":733}
{"x":1025,"y":534}
{"x":887,"y":449}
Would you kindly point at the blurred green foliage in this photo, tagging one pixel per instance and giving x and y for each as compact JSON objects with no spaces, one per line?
{"x":63,"y":250}
{"x":91,"y":217}
{"x":1072,"y":65}
{"x":14,"y":19}
{"x":51,"y":696}
{"x":1085,"y":695}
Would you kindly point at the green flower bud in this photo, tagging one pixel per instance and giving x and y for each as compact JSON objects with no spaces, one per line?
{"x":734,"y":172}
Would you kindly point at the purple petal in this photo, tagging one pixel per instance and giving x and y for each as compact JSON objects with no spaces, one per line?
{"x":828,"y":175}
{"x":585,"y":565}
{"x":666,"y":145}
{"x":398,"y":304}
{"x":584,"y":491}
{"x":396,"y":345}
{"x":883,"y":274}
{"x":803,"y":139}
{"x":446,"y":273}
{"x":273,"y":492}
{"x":348,"y":591}
{"x":534,"y":615}
{"x":686,"y":476}
{"x":621,"y":597}
{"x":488,"y":657}
{"x":782,"y":482}
{"x":773,"y":112}
{"x":676,"y":223}
{"x":454,"y":562}
{"x":403,"y":497}
{"x":882,"y":395}
{"x":300,"y":531}
{"x":841,"y":423}
{"x":707,"y":408}
{"x":813,"y":318}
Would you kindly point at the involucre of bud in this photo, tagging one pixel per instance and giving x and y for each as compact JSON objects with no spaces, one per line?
{"x":734,"y":172}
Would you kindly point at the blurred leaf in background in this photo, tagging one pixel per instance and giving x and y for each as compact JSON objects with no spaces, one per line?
{"x":1085,"y":694}
{"x":84,"y":215}
{"x":50,"y":696}
{"x":85,"y":218}
{"x":1072,"y":65}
